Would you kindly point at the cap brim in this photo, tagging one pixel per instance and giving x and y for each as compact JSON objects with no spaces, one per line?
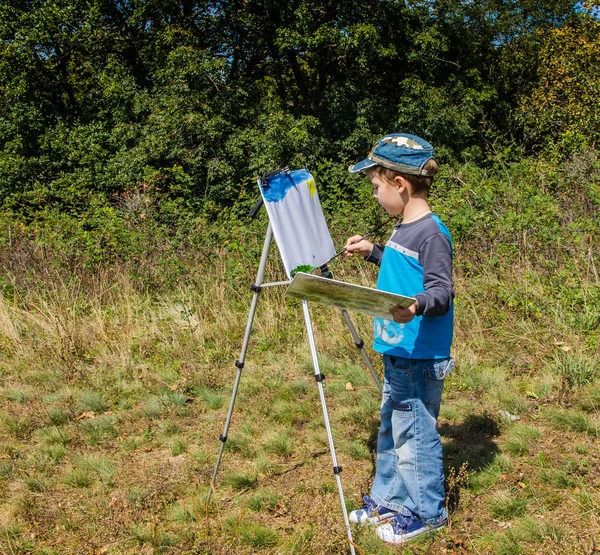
{"x":363,"y":165}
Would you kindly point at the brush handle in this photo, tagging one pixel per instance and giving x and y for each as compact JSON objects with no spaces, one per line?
{"x":359,"y":240}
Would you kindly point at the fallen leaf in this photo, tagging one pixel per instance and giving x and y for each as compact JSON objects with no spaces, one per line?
{"x":87,"y":414}
{"x":349,"y":387}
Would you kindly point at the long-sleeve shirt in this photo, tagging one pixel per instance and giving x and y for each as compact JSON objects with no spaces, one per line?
{"x":417,"y":262}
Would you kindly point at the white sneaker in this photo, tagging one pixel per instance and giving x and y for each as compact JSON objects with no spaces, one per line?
{"x":371,"y":514}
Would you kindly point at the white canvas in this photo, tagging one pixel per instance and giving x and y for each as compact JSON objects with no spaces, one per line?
{"x":299,"y":227}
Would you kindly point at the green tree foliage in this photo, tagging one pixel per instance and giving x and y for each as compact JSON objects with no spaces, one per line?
{"x":562,"y":111}
{"x":184,"y":103}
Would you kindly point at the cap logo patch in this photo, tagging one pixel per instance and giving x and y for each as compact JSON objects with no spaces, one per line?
{"x":403,"y":141}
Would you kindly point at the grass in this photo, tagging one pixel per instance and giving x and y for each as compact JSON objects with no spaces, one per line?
{"x":112,"y":405}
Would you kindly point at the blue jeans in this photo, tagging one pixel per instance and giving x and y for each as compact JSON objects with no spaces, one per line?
{"x":409,"y":476}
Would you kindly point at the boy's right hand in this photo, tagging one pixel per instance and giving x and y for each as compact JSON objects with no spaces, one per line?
{"x":364,"y":247}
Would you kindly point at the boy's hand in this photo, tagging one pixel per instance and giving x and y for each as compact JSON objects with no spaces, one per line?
{"x":404,"y":315}
{"x":364,"y":248}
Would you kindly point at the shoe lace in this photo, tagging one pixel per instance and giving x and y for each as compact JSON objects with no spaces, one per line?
{"x":401,"y":522}
{"x":370,"y":505}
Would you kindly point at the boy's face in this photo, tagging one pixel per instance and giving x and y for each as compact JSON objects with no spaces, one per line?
{"x":387,"y":194}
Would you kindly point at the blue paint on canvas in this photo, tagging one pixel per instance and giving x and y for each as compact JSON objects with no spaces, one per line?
{"x":277,"y":186}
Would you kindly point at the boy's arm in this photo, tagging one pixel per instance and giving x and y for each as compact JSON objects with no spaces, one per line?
{"x":435,"y":257}
{"x":376,"y":255}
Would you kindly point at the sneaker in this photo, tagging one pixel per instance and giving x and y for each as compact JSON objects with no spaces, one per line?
{"x":402,"y":529}
{"x":371,"y":513}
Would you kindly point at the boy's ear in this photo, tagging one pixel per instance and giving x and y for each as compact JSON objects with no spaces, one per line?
{"x":401,"y":183}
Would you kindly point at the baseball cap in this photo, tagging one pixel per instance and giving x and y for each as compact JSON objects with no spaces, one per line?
{"x":400,"y":152}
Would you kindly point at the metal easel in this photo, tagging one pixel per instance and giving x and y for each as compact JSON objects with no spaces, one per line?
{"x":319,"y":377}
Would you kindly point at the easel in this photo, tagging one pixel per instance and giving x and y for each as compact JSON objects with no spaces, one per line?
{"x":319,"y":377}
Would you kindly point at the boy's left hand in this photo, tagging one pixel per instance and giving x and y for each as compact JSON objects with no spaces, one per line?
{"x":404,"y":315}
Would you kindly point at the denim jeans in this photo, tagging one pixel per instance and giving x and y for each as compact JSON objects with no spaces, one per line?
{"x":409,"y":475}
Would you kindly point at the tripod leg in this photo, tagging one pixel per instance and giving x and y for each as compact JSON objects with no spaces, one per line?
{"x":319,"y":377}
{"x":240,"y":362}
{"x":360,"y":345}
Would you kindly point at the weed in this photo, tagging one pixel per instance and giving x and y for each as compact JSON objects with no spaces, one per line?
{"x":53,"y":436}
{"x":139,"y":496}
{"x":557,"y":478}
{"x":356,"y":375}
{"x":57,"y":416}
{"x":15,"y":395}
{"x":242,"y":444}
{"x":265,"y":467}
{"x":359,"y":450}
{"x":212,"y":400}
{"x":520,"y":439}
{"x":36,"y":484}
{"x":170,"y":428}
{"x":92,"y":401}
{"x":263,"y":500}
{"x":572,"y":420}
{"x":151,"y":535}
{"x":47,"y":457}
{"x":576,"y":370}
{"x":290,"y":412}
{"x":589,"y":399}
{"x":6,"y":469}
{"x":99,"y":429}
{"x":511,"y":400}
{"x":18,"y":426}
{"x":165,"y":401}
{"x":178,"y":447}
{"x":240,"y":480}
{"x":279,"y":443}
{"x":184,"y":512}
{"x":79,"y":477}
{"x":89,"y":468}
{"x":507,"y":504}
{"x":300,"y":541}
{"x":257,"y":536}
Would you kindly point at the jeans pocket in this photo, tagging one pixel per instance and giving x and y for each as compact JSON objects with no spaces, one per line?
{"x":440,"y":370}
{"x":399,"y":363}
{"x":402,"y":409}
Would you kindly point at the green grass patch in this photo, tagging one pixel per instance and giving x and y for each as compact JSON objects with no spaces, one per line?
{"x":279,"y":443}
{"x":507,"y":504}
{"x":575,"y":369}
{"x":241,"y":480}
{"x":263,"y":500}
{"x":520,"y":439}
{"x":92,"y":401}
{"x":572,"y":420}
{"x":257,"y":536}
{"x":210,"y":398}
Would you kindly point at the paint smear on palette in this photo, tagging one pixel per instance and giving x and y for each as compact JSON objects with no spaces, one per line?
{"x":279,"y":185}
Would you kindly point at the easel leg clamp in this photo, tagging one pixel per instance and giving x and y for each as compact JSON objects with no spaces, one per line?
{"x":320,"y":377}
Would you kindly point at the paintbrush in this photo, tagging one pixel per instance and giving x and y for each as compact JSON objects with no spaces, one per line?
{"x":377,"y":228}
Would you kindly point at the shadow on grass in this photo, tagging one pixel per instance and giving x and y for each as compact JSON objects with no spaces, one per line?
{"x":470,"y":442}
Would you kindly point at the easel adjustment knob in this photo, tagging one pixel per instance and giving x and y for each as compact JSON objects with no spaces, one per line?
{"x":239,"y":364}
{"x":360,"y":344}
{"x":320,"y":377}
{"x":337,"y":469}
{"x":255,"y":288}
{"x":223,"y":438}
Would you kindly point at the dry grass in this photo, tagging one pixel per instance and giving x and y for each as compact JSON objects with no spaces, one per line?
{"x":113,"y":400}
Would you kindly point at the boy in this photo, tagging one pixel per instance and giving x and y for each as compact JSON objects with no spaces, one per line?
{"x":408,"y":491}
